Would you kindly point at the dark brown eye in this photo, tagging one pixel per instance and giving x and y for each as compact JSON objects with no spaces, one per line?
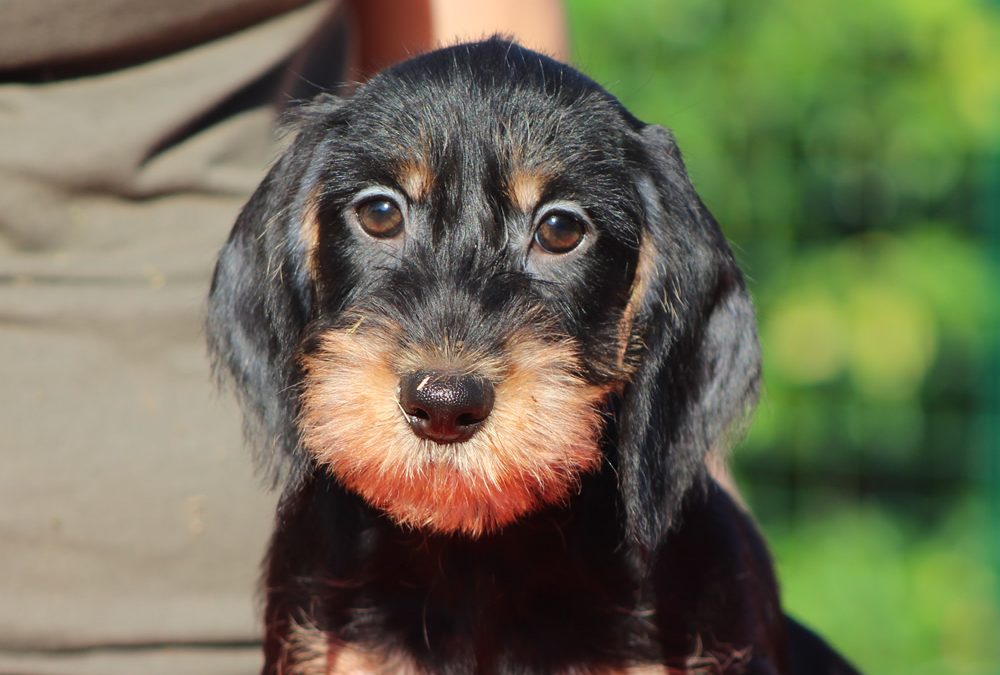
{"x":559,"y":232}
{"x":380,"y":217}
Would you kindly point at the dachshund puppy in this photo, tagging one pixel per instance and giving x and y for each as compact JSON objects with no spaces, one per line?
{"x":485,"y":334}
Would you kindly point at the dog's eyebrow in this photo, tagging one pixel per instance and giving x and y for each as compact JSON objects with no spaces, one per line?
{"x":416,"y":178}
{"x":525,"y":188}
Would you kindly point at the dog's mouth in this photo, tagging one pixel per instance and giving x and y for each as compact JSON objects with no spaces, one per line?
{"x":446,"y":440}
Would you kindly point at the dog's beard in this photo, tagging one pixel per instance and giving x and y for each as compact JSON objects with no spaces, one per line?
{"x":541,"y":436}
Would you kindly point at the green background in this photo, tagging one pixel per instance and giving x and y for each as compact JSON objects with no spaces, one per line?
{"x":851,"y":152}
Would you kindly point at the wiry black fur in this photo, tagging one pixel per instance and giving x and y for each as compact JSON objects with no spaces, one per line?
{"x":651,"y":562}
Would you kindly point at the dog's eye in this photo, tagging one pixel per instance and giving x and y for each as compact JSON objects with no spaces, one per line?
{"x":559,"y":232}
{"x":380,"y":217}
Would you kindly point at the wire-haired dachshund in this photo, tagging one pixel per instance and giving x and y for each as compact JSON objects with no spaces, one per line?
{"x":486,"y":335}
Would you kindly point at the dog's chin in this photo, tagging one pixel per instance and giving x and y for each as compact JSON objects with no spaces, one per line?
{"x":532,"y":450}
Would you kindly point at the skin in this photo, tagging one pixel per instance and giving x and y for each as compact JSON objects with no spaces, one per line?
{"x":391,"y":31}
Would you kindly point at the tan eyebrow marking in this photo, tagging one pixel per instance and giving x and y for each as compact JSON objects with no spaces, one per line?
{"x":525,"y":189}
{"x":416,"y":179}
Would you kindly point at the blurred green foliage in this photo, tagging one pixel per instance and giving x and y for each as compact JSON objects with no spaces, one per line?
{"x":851,"y":152}
{"x":894,"y":598}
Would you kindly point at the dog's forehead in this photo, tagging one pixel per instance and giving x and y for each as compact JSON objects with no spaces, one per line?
{"x":487,"y":121}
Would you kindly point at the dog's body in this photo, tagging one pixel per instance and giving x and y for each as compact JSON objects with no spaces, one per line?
{"x":490,"y":334}
{"x":556,"y":593}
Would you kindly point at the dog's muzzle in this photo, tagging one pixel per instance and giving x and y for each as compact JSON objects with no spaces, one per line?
{"x":445,"y":407}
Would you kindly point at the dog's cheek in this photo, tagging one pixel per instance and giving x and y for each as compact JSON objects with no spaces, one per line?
{"x":349,"y":417}
{"x":541,"y":396}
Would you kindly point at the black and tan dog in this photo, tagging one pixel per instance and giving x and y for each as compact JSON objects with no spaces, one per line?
{"x":486,"y":334}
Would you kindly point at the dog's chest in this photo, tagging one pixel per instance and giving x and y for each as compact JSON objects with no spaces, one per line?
{"x":314,"y":652}
{"x":526,"y":603}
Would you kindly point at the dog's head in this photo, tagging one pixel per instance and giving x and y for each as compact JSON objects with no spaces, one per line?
{"x":476,"y":280}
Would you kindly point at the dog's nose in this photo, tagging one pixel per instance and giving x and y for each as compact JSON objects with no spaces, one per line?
{"x":445,"y":407}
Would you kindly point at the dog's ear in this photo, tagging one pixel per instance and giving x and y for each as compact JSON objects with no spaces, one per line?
{"x":262,"y":295}
{"x":698,"y":370}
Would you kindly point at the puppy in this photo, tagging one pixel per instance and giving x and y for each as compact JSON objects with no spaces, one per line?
{"x":485,"y":333}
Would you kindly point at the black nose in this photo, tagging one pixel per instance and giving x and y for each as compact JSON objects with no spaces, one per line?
{"x":445,"y":407}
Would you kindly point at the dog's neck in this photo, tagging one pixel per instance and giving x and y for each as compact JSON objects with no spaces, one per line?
{"x":439,"y":595}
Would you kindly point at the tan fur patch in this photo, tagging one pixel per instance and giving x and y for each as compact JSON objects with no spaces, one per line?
{"x":349,"y":660}
{"x":312,"y":651}
{"x":644,"y":271}
{"x":309,"y":232}
{"x":729,"y":662}
{"x":525,"y":189}
{"x":416,"y":179}
{"x":539,"y":439}
{"x":306,"y":652}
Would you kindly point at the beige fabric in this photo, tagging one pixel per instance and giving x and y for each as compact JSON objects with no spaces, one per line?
{"x":175,"y":661}
{"x":129,"y":516}
{"x":45,"y":36}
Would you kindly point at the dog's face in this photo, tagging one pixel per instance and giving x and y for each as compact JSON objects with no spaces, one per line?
{"x":452,"y":280}
{"x":473,"y":245}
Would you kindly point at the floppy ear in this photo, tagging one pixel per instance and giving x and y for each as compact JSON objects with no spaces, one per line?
{"x":262,"y":296}
{"x":699,"y":373}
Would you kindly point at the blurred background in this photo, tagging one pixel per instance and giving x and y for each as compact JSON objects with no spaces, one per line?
{"x":851,"y":152}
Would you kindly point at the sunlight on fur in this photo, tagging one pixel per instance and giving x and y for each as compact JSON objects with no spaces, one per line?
{"x":539,"y":439}
{"x":311,"y":651}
